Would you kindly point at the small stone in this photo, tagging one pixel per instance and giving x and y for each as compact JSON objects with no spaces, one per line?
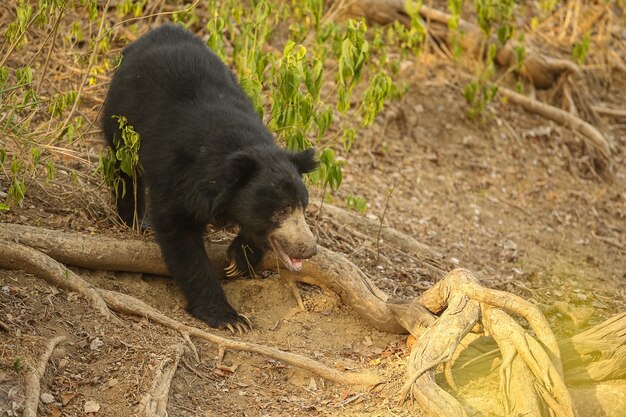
{"x":91,"y":407}
{"x":111,"y":383}
{"x":96,"y":344}
{"x":47,"y":398}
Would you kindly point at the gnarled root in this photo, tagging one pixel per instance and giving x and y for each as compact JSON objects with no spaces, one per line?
{"x":532,"y":376}
{"x":528,"y":362}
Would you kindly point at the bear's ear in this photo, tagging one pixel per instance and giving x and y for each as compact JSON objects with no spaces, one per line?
{"x":304,"y":161}
{"x":240,"y":166}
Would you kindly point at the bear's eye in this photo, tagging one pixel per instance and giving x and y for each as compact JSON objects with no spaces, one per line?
{"x":284,"y":211}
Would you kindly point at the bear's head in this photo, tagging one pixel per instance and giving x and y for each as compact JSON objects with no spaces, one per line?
{"x":268,"y":201}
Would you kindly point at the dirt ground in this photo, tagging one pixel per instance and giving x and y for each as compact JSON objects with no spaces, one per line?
{"x":512,"y":198}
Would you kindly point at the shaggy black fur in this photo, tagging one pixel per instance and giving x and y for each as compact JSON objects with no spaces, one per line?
{"x":206,"y":158}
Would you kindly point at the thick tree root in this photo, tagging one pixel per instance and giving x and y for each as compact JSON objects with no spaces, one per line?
{"x":17,"y":256}
{"x":598,"y":353}
{"x":38,"y":263}
{"x":524,"y":360}
{"x":154,"y":402}
{"x":532,"y":376}
{"x":592,"y":136}
{"x":126,"y":304}
{"x":429,"y":258}
{"x":329,"y":270}
{"x":464,"y":302}
{"x":34,"y":374}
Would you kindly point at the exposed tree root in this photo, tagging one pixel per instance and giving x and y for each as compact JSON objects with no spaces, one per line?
{"x":598,"y":353}
{"x":154,"y":402}
{"x":591,"y":134}
{"x":34,"y":373}
{"x":429,"y":258}
{"x":130,"y":305}
{"x":38,"y":262}
{"x":330,"y":270}
{"x":465,"y":303}
{"x":525,"y":359}
{"x":532,"y":376}
{"x":17,"y":256}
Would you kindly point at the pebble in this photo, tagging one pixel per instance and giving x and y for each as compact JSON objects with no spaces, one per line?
{"x":91,"y":406}
{"x":47,"y":398}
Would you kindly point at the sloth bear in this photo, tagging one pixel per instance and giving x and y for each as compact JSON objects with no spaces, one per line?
{"x":205,"y":158}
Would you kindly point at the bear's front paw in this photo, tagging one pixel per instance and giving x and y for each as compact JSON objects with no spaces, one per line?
{"x":221,"y":316}
{"x":243,"y":258}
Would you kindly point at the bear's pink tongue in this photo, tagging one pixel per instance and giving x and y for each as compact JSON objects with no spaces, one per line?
{"x":296,"y":263}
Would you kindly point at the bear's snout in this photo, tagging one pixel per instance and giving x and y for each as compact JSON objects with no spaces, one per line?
{"x":293,"y":241}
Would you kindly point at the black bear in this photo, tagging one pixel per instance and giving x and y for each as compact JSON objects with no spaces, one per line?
{"x":206,"y":158}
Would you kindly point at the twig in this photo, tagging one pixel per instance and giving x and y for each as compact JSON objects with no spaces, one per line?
{"x":55,"y":32}
{"x":34,"y":374}
{"x":154,"y":402}
{"x":17,"y":41}
{"x":382,"y":219}
{"x":195,"y":371}
{"x":609,"y":111}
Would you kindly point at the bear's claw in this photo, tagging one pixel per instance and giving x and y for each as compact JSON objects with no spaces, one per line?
{"x":240,"y":326}
{"x":232,"y":271}
{"x":222,"y":317}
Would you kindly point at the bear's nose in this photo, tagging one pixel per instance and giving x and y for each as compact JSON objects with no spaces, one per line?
{"x":309,"y":251}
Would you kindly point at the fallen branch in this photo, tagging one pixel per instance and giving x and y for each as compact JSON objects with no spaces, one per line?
{"x":154,"y":402}
{"x":34,"y":373}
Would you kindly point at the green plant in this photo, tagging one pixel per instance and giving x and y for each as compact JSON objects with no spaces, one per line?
{"x":356,"y":203}
{"x":286,"y":79}
{"x":581,"y":49}
{"x":18,"y":364}
{"x":491,"y":15}
{"x":125,"y":159}
{"x":354,"y":52}
{"x":480,"y":92}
